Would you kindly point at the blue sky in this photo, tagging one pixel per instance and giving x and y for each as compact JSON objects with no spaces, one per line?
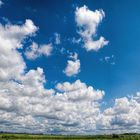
{"x":113,"y":68}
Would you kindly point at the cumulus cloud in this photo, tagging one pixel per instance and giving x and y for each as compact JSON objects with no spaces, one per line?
{"x":123,"y":117}
{"x":27,"y":106}
{"x":73,"y":66}
{"x":70,"y":108}
{"x":88,"y":21}
{"x":11,"y":37}
{"x":34,"y":51}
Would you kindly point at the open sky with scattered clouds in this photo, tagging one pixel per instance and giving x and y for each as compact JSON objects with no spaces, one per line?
{"x":69,"y":67}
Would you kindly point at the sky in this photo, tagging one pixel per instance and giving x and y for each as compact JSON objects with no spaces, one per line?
{"x":69,"y":67}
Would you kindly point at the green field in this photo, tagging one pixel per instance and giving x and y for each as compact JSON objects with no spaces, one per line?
{"x":5,"y":136}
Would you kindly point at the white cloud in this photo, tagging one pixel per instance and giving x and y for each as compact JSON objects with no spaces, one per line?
{"x":66,"y":87}
{"x":71,"y":108}
{"x":124,"y":115}
{"x":73,"y":66}
{"x":25,"y":103}
{"x":35,"y":51}
{"x":27,"y":106}
{"x":88,"y":21}
{"x":11,"y":37}
{"x":95,"y":45}
{"x":85,"y":92}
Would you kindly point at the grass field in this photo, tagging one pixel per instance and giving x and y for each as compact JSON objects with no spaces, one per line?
{"x":5,"y":136}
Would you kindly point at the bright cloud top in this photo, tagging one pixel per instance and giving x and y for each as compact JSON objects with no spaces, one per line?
{"x":88,"y":21}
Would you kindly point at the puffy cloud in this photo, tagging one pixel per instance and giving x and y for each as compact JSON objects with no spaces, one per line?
{"x":88,"y":22}
{"x":14,"y":34}
{"x":84,"y":92}
{"x":95,"y":45}
{"x":73,"y":66}
{"x":11,"y":37}
{"x":71,"y":108}
{"x":35,"y":51}
{"x":49,"y":112}
{"x":27,"y":106}
{"x":124,"y":115}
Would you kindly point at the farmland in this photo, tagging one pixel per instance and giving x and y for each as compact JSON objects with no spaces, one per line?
{"x":8,"y":136}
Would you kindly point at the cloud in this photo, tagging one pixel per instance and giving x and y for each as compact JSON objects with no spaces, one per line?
{"x":70,"y":108}
{"x":75,"y":40}
{"x":81,"y":87}
{"x":73,"y":56}
{"x":27,"y":106}
{"x":35,"y":50}
{"x":123,"y":117}
{"x":95,"y":45}
{"x":57,"y":39}
{"x":88,"y":21}
{"x":73,"y":66}
{"x":16,"y":86}
{"x":109,"y":59}
{"x":1,"y":3}
{"x":11,"y":37}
